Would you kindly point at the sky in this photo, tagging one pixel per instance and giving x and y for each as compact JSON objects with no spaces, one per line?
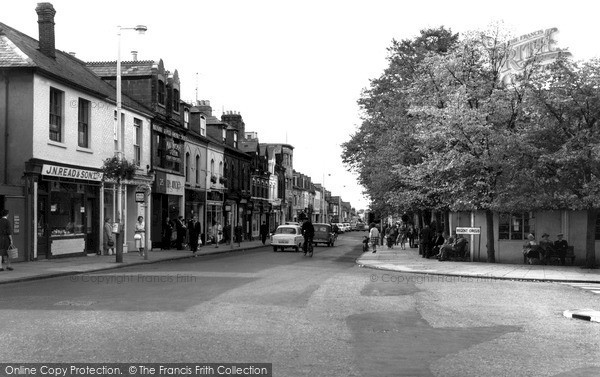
{"x":294,"y":70}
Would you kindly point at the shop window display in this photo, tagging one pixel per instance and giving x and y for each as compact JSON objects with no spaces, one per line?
{"x":66,"y":210}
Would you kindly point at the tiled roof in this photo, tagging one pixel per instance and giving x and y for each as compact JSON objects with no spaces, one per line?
{"x":21,"y":50}
{"x":129,"y":68}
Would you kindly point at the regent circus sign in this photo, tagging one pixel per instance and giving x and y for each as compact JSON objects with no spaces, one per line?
{"x":74,"y":173}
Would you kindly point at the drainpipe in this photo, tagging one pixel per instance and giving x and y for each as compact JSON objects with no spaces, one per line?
{"x":6,"y":81}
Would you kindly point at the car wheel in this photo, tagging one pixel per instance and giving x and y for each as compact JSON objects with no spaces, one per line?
{"x":274,"y":248}
{"x":282,"y":248}
{"x":296,"y":248}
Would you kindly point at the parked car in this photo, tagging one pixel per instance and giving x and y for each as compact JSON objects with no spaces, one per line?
{"x":287,"y":236}
{"x":340,"y":227}
{"x":361,"y":226}
{"x":324,"y":234}
{"x":346,"y":227}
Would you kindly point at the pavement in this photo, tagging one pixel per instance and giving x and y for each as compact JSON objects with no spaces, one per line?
{"x":395,"y":259}
{"x":409,"y":260}
{"x":48,"y":268}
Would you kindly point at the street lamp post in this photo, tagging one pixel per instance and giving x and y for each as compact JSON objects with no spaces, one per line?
{"x":141,"y":29}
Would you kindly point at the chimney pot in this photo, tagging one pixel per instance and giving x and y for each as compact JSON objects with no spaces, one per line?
{"x":46,"y":14}
{"x":134,"y":55}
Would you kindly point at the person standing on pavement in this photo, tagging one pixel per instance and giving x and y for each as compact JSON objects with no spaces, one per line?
{"x":140,"y":236}
{"x":193,"y":234}
{"x":374,"y":237}
{"x":167,"y":232}
{"x":425,"y":241}
{"x":6,"y":240}
{"x":109,"y":238}
{"x":181,"y":230}
{"x":264,"y":230}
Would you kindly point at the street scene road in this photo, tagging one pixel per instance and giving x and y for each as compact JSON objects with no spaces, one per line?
{"x":319,"y":316}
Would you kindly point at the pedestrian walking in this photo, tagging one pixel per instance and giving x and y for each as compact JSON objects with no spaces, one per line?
{"x":108,"y":243}
{"x":374,"y":237}
{"x":6,"y":241}
{"x":181,"y":230}
{"x":194,"y":231}
{"x":264,"y":231}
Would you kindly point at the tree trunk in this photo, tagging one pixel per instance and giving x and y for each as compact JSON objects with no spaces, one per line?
{"x":491,"y":252}
{"x":590,"y":239}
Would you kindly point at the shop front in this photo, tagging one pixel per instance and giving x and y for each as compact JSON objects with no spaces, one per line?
{"x":214,"y":211}
{"x":195,"y":200}
{"x":67,"y":210}
{"x":167,"y":202}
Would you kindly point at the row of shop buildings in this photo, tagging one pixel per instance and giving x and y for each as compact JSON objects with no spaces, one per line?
{"x":58,"y":125}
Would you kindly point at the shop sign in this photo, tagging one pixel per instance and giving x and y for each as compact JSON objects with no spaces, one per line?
{"x":465,"y":230}
{"x":65,"y":172}
{"x":170,"y":184}
{"x":140,"y":197}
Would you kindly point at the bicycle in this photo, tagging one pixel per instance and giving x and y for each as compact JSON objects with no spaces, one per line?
{"x":308,"y":247}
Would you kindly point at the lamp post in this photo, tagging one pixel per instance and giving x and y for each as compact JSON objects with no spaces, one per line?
{"x":141,"y":29}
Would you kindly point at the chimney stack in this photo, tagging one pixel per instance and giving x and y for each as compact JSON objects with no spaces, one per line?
{"x":46,"y":14}
{"x":134,"y":55}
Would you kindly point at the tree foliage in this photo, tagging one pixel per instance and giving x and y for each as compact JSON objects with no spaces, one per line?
{"x":118,"y":169}
{"x":442,"y":130}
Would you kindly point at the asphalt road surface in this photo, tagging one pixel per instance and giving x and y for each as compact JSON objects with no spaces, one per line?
{"x":319,"y":316}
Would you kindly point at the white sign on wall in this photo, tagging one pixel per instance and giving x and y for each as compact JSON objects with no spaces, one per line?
{"x":464,"y":230}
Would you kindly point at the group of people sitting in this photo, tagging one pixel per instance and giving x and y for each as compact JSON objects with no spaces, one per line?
{"x":545,"y":251}
{"x":444,"y":248}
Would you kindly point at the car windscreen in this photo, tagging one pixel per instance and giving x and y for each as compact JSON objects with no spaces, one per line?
{"x":321,"y":229}
{"x":285,"y":231}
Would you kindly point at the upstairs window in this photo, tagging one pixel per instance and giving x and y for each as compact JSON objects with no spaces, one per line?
{"x":186,"y":118}
{"x":202,"y":126}
{"x":56,"y":115}
{"x":176,"y":100}
{"x":161,"y":92}
{"x":83,"y":123}
{"x":137,"y":141}
{"x":187,"y":166}
{"x":197,"y":169}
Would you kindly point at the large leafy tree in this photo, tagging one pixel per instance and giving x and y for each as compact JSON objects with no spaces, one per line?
{"x":466,"y":127}
{"x":385,"y":137}
{"x":565,"y":113}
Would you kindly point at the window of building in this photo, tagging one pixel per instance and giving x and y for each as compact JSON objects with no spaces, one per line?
{"x":202,"y":126}
{"x":176,"y":100}
{"x":186,"y":118}
{"x":161,"y":92}
{"x":187,"y":166}
{"x":197,"y":169}
{"x":137,"y":141}
{"x":56,"y":114}
{"x":224,"y":134}
{"x":514,"y":226}
{"x":212,"y":167}
{"x":235,"y":140}
{"x":83,"y":123}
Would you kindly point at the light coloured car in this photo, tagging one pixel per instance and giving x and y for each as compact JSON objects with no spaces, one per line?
{"x":287,"y":236}
{"x":346,"y":227}
{"x":341,"y":228}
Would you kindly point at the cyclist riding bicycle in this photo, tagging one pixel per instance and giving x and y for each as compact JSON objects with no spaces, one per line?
{"x":308,"y":231}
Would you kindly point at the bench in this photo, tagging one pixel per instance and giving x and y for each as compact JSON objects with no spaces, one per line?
{"x":554,"y":259}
